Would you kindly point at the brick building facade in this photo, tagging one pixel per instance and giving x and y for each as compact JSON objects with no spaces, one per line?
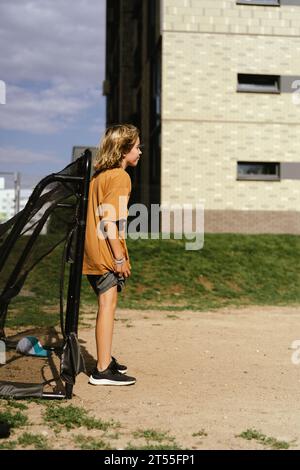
{"x":215,"y":92}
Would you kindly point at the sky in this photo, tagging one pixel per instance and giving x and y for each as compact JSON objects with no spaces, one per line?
{"x":52,"y":61}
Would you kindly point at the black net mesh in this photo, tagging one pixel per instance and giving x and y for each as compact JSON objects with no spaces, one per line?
{"x":38,"y":248}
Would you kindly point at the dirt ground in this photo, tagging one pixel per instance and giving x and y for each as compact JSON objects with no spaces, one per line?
{"x":215,"y":374}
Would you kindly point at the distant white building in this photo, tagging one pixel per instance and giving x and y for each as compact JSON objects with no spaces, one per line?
{"x":8,"y":205}
{"x":78,"y":150}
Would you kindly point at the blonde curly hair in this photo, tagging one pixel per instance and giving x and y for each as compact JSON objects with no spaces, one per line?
{"x":117,"y":141}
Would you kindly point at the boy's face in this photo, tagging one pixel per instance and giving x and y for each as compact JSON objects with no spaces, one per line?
{"x":132,"y":158}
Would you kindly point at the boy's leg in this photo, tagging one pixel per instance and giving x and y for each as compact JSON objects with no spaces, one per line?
{"x":107,"y":303}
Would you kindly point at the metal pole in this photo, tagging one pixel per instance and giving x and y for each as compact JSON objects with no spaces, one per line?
{"x":72,"y":310}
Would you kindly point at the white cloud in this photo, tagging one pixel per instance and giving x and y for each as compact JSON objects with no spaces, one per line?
{"x":49,"y":39}
{"x":45,"y":111}
{"x":23,"y":156}
{"x":52,"y":61}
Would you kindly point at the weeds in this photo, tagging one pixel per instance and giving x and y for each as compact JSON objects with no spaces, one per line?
{"x":200,"y":433}
{"x":72,"y":417}
{"x":164,"y":441}
{"x":152,"y":435}
{"x":26,"y":440}
{"x":8,"y":445}
{"x":37,"y":441}
{"x":87,"y":443}
{"x":15,"y":420}
{"x":264,"y":440}
{"x":152,"y":447}
{"x":16,"y":404}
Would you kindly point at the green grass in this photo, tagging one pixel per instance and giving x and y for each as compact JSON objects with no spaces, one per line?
{"x":155,"y":440}
{"x":173,"y":446}
{"x":201,"y":433}
{"x":115,"y":436}
{"x":35,"y":440}
{"x":271,"y":442}
{"x":27,"y":439}
{"x":87,"y":443}
{"x":71,"y":417}
{"x":15,"y":404}
{"x":231,"y":269}
{"x":8,"y":445}
{"x":152,"y":435}
{"x":15,"y":420}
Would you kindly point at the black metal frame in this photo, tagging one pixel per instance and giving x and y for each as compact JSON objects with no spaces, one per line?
{"x":81,"y":180}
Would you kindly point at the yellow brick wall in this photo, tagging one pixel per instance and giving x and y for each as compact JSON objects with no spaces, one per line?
{"x":199,"y":163}
{"x":226,"y":16}
{"x":206,"y":125}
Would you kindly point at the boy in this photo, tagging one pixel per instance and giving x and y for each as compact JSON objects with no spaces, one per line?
{"x":106,"y":259}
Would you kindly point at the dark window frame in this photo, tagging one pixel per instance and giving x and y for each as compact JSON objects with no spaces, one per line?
{"x":259,"y":177}
{"x":263,"y":3}
{"x":246,"y":83}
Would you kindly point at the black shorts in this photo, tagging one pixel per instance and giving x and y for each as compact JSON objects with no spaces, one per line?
{"x":102,"y":282}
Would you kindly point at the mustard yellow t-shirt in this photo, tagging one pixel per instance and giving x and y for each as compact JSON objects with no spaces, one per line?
{"x":108,"y":198}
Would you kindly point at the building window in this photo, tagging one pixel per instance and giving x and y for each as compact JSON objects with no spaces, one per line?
{"x":258,"y":171}
{"x":253,"y":83}
{"x":266,"y":3}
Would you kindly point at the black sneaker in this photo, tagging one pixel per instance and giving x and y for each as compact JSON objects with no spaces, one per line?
{"x":121,"y":369}
{"x":110,"y":376}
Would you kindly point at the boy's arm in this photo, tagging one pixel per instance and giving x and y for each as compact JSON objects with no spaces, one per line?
{"x":117,"y":249}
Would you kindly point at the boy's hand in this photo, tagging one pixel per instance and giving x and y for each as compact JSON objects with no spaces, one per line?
{"x":123,"y":269}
